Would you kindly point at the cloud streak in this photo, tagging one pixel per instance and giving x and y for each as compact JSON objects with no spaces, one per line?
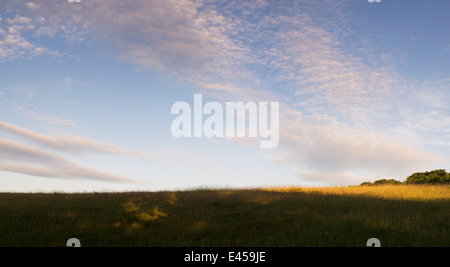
{"x":19,"y":158}
{"x":47,"y":160}
{"x":73,"y":145}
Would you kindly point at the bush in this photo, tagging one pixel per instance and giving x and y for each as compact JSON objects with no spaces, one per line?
{"x":386,"y":181}
{"x":382,"y":182}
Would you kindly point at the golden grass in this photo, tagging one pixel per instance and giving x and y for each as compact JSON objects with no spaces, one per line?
{"x":152,"y":215}
{"x":393,"y":192}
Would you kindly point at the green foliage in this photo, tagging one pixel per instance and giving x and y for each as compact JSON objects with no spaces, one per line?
{"x":433,"y":177}
{"x":382,"y":182}
{"x":386,"y":181}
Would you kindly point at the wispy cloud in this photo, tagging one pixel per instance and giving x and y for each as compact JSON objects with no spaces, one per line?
{"x":23,"y":159}
{"x":69,"y":144}
{"x":341,"y":152}
{"x":48,"y":159}
{"x":48,"y":119}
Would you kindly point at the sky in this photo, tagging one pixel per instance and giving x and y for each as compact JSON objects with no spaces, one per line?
{"x":86,"y":92}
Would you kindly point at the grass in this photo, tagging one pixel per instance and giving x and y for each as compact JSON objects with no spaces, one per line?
{"x":403,"y":215}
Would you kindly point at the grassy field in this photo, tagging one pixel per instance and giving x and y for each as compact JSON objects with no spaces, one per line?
{"x":403,"y":215}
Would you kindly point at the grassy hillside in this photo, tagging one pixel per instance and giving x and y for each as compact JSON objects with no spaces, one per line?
{"x":403,"y":215}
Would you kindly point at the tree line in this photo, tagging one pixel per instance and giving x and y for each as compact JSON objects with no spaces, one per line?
{"x":433,"y":177}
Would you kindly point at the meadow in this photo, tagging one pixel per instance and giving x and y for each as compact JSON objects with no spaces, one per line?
{"x":398,"y":215}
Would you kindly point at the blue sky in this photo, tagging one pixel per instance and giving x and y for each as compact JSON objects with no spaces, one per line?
{"x":86,"y":91}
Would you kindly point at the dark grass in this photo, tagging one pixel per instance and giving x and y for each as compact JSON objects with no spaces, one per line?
{"x":216,"y":218}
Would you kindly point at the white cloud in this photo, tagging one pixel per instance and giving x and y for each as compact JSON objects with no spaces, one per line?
{"x":32,"y":5}
{"x":345,"y":151}
{"x":18,"y":20}
{"x":188,"y":39}
{"x":15,"y":40}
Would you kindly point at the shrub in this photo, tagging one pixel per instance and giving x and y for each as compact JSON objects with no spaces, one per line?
{"x":382,"y":182}
{"x":386,"y":181}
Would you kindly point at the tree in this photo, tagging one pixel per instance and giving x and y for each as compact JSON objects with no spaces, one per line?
{"x":433,"y":177}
